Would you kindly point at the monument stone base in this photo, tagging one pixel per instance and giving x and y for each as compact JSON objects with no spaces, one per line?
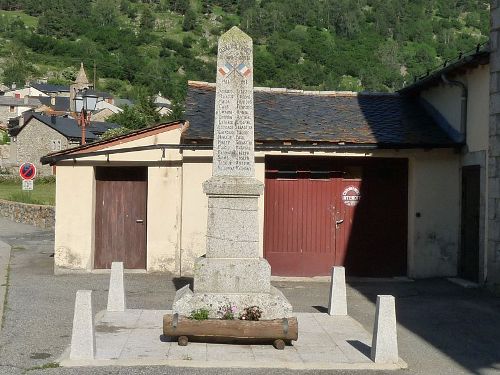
{"x":238,"y":275}
{"x":274,"y":304}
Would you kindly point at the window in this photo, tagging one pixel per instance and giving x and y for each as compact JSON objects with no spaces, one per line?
{"x":56,"y":145}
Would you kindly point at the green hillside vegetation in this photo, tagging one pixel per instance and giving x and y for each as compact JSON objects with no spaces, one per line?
{"x":142,"y":47}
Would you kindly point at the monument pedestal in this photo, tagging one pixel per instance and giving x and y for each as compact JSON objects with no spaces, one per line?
{"x":232,"y":272}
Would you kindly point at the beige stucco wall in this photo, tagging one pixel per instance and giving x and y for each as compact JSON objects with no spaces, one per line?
{"x":434,"y":196}
{"x":75,"y":217}
{"x":164,"y":218}
{"x":74,"y":229}
{"x":446,"y":100}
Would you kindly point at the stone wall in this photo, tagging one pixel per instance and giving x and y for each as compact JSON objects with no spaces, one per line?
{"x":35,"y":141}
{"x":494,"y":150}
{"x":6,"y":114}
{"x":33,"y":214}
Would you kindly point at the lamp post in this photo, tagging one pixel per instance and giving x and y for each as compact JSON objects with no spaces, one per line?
{"x":85,"y":103}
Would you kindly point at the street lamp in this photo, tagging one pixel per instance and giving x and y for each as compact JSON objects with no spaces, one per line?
{"x":85,"y":103}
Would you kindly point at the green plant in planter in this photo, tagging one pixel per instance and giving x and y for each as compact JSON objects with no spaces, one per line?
{"x":199,"y":314}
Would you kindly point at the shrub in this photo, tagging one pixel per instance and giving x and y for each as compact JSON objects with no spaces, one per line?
{"x":200,"y":314}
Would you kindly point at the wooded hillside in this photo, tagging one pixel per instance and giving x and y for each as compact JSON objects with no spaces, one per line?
{"x":142,"y":47}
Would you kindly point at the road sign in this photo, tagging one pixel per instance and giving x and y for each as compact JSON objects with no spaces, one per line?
{"x":27,"y":184}
{"x":27,"y":171}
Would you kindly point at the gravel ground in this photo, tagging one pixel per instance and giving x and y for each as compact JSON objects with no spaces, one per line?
{"x":442,"y":328}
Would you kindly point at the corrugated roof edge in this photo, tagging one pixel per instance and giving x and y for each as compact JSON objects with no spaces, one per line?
{"x":281,"y":90}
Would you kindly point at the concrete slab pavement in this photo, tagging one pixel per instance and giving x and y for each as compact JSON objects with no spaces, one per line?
{"x":133,"y":338}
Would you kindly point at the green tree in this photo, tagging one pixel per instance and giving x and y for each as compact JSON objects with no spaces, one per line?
{"x":189,"y":22}
{"x":142,"y":115}
{"x":148,"y":19}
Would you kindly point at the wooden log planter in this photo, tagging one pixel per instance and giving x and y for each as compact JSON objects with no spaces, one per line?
{"x":279,"y":332}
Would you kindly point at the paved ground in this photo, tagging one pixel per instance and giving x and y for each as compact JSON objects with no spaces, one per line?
{"x":443,"y":328}
{"x":132,"y":337}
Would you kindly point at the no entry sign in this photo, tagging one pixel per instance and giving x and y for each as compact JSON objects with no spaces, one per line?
{"x":27,"y":171}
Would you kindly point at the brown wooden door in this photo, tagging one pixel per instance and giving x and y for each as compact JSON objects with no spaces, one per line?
{"x":336,"y":211}
{"x":120,"y":217}
{"x":469,"y":254}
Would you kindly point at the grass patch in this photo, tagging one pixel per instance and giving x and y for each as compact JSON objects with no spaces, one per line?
{"x":27,"y":19}
{"x":44,"y":191}
{"x":45,"y":366}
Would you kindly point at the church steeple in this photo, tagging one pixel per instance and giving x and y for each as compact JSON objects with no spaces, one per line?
{"x":81,"y":83}
{"x":81,"y":78}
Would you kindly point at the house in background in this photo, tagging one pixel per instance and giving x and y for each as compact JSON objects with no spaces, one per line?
{"x":42,"y":134}
{"x":11,"y":107}
{"x":162,"y":104}
{"x":25,"y":91}
{"x":49,"y":89}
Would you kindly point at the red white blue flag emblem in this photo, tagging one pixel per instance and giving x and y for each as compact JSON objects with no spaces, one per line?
{"x":243,"y":70}
{"x":226,"y":69}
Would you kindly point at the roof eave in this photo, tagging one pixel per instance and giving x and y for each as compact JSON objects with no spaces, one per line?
{"x":467,"y":62}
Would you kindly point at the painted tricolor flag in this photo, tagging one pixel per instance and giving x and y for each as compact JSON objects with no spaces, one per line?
{"x":243,"y":69}
{"x":226,"y":69}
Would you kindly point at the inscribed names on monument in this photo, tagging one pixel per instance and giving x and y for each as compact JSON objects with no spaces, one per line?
{"x":234,"y":116}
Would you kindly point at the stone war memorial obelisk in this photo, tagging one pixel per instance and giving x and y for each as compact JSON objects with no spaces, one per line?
{"x":232,"y":272}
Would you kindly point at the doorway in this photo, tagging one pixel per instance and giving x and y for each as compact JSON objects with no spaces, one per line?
{"x":120,"y":217}
{"x":469,"y":244}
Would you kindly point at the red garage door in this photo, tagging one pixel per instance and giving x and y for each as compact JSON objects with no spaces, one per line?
{"x":321,"y":212}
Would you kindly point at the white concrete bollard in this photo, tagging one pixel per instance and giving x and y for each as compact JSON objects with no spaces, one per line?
{"x":116,"y":293}
{"x":338,"y":300}
{"x":83,"y":337}
{"x":385,"y":338}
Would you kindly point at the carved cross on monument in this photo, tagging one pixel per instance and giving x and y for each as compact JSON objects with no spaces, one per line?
{"x":232,"y":270}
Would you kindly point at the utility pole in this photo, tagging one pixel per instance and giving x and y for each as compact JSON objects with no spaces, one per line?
{"x":95,"y":70}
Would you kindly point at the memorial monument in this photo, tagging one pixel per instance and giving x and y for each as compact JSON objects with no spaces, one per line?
{"x":232,"y":272}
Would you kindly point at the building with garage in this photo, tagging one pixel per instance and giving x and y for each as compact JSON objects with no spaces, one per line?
{"x":370,"y":181}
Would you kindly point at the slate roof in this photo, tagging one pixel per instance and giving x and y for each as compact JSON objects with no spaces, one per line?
{"x":61,"y":104}
{"x":69,"y":127}
{"x":120,"y":102}
{"x":384,"y":120}
{"x":18,"y":102}
{"x":47,"y":87}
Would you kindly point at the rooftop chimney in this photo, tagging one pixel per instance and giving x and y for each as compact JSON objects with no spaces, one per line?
{"x":53,"y":119}
{"x":13,"y":86}
{"x":52,"y":99}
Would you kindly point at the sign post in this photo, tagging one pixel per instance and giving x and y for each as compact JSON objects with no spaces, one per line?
{"x":27,"y":171}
